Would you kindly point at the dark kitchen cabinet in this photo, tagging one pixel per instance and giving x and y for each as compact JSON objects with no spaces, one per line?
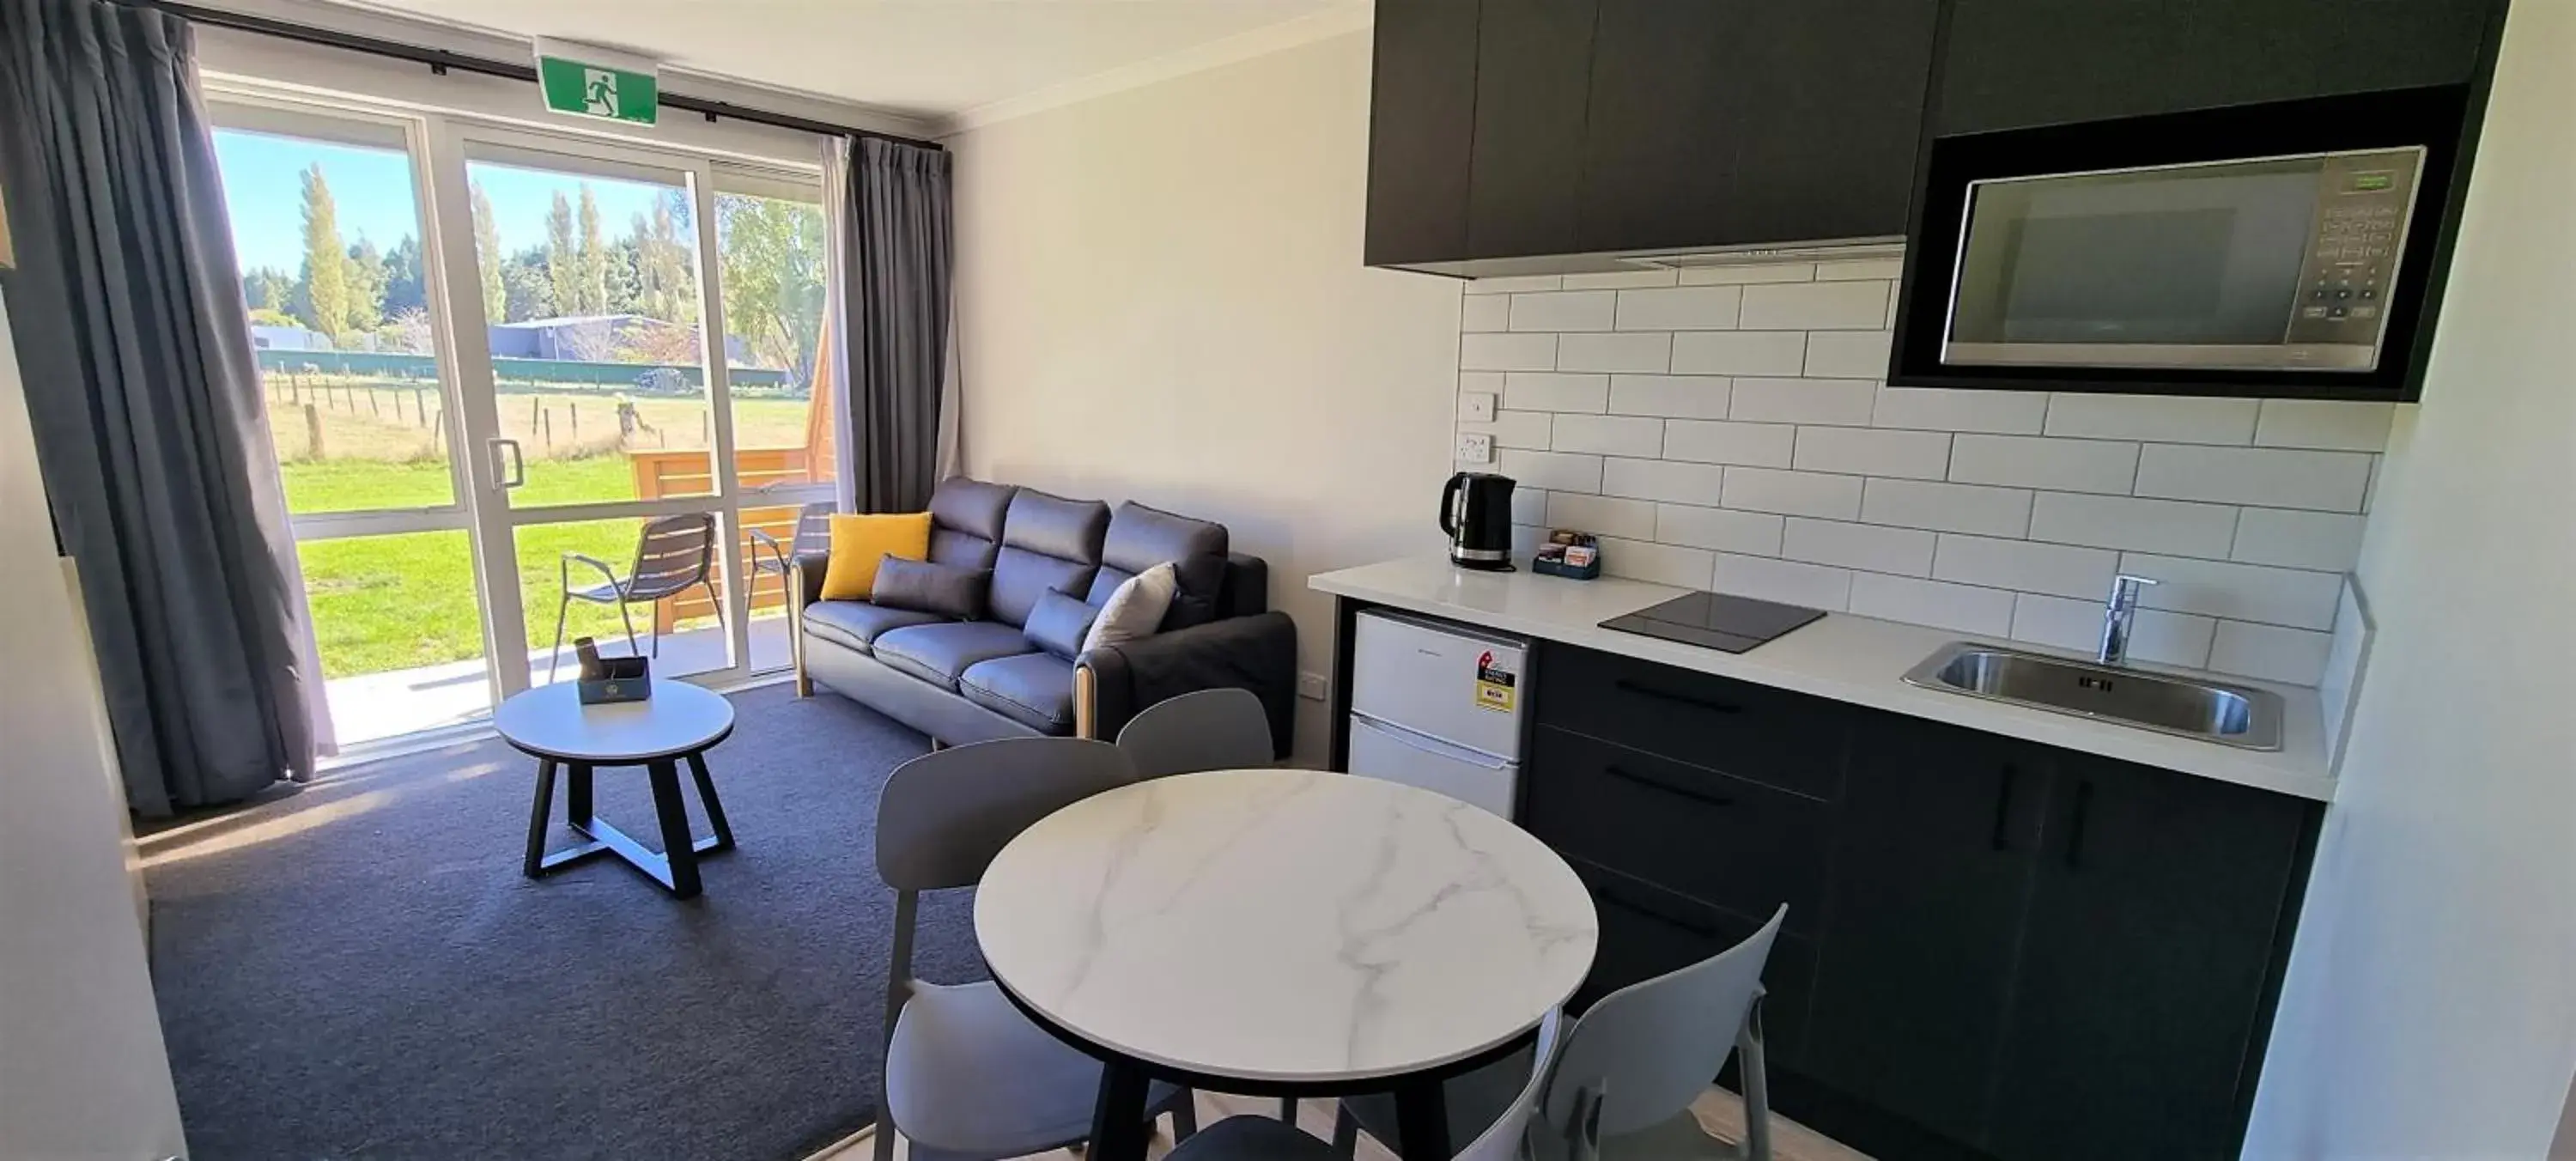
{"x":1422,"y":123}
{"x":1933,"y":861}
{"x":1737,"y":121}
{"x":2160,"y":910}
{"x":1533,"y":79}
{"x":2011,"y":64}
{"x":1647,"y":931}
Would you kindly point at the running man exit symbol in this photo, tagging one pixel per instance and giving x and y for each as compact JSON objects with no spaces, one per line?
{"x":599,"y":98}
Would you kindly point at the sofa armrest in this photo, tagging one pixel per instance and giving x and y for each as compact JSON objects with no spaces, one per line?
{"x":808,"y":572}
{"x":1256,"y":653}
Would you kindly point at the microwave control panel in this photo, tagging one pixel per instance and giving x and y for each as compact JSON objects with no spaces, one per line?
{"x":2364,"y":201}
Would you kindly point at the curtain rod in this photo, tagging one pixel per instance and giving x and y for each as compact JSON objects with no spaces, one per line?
{"x":442,"y":61}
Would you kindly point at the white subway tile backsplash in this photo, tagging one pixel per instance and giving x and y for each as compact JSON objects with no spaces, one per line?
{"x":1960,"y":409}
{"x":2066,"y":465}
{"x":1848,"y":354}
{"x":1792,"y":493}
{"x":2170,"y":418}
{"x":1677,"y":396}
{"x":1601,"y":515}
{"x":1619,"y":280}
{"x":2024,"y":566}
{"x":1529,"y":505}
{"x":2160,"y":637}
{"x":1506,"y":352}
{"x":1765,"y":578}
{"x":1681,"y":483}
{"x":2270,"y":652}
{"x":1761,"y":445}
{"x":1515,"y":284}
{"x":2128,"y":522}
{"x":1485,"y":312}
{"x":1865,"y":268}
{"x":1614,"y":352}
{"x":1740,"y":275}
{"x":2325,"y":425}
{"x":1739,"y":352}
{"x":1815,"y":306}
{"x":1520,"y":429}
{"x":1490,"y":382}
{"x":1681,"y":308}
{"x":1663,"y":564}
{"x":1901,"y":551}
{"x":1750,"y":533}
{"x":2330,"y":541}
{"x":1841,"y":402}
{"x":1965,"y":608}
{"x":1922,"y":455}
{"x":2291,"y":597}
{"x":1617,"y":435}
{"x":1552,"y":391}
{"x":2278,"y":477}
{"x":1970,"y":508}
{"x":1564,"y":310}
{"x":1554,"y":471}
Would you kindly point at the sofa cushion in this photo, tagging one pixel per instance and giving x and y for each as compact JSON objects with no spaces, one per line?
{"x":1059,"y":624}
{"x":1048,"y":542}
{"x":855,"y":624}
{"x":938,"y":653}
{"x":944,"y":589}
{"x":966,"y":521}
{"x":1140,"y":538}
{"x":1034,"y":689}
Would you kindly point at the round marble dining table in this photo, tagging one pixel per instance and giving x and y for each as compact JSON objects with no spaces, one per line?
{"x":1283,"y":933}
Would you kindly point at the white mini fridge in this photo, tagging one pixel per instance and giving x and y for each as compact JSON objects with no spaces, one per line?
{"x":1438,"y":705}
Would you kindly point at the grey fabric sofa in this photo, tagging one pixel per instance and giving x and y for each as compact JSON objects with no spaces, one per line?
{"x":963,"y":681}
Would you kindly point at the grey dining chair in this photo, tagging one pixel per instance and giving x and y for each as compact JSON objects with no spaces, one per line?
{"x":1631,"y":1067}
{"x":967,"y":1076}
{"x":1502,"y":1138}
{"x":1212,"y":729}
{"x":768,"y":557}
{"x":671,"y":554}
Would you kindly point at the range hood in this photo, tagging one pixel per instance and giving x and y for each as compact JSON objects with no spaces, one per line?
{"x":1682,"y":258}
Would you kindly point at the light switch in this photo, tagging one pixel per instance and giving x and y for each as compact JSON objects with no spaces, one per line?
{"x":1476,"y":407}
{"x":1475,"y":447}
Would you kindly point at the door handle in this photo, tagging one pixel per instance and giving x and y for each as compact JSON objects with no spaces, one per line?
{"x":1717,"y":707}
{"x":515,"y":472}
{"x":1617,"y":771}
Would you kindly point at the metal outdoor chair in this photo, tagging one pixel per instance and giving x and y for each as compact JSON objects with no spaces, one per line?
{"x":770,"y":558}
{"x":673,"y":553}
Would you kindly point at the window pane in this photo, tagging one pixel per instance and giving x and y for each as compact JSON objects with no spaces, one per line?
{"x":328,"y":238}
{"x":680,"y":632}
{"x":771,"y":263}
{"x":400,"y":632}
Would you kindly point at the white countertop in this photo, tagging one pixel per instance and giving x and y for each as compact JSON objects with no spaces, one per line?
{"x":1848,"y":658}
{"x":1285,"y":925}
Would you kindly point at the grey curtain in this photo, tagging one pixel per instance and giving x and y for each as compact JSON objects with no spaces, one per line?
{"x":892,"y":242}
{"x":145,"y":401}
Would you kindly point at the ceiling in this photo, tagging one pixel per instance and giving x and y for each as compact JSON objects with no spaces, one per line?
{"x":929,"y":59}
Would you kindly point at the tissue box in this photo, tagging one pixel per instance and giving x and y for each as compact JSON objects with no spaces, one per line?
{"x":1568,"y":553}
{"x":619,"y":679}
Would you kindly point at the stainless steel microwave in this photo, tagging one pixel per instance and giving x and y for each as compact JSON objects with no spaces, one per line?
{"x":2281,"y":263}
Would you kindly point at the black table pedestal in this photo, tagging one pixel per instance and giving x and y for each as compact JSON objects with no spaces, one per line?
{"x":674,"y":868}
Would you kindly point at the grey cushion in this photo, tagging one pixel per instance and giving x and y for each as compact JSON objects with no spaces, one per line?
{"x":966,"y":521}
{"x":1258,"y":1139}
{"x":855,"y":624}
{"x":944,"y":589}
{"x":1034,"y":689}
{"x":1059,"y":624}
{"x":938,"y":653}
{"x":1140,"y":538}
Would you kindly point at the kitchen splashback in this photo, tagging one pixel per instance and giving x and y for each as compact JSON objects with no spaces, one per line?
{"x":1726,"y":428}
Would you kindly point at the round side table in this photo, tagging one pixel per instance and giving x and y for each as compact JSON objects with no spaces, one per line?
{"x":678,"y":723}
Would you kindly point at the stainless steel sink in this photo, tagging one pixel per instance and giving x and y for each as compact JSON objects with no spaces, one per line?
{"x":2213,"y":711}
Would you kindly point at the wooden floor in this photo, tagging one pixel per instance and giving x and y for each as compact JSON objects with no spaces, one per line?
{"x":1718,"y":1111}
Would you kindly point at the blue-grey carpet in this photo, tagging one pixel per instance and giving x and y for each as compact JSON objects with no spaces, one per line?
{"x":356,"y":968}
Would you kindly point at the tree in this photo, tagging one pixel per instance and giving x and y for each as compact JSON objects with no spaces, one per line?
{"x":665,"y":285}
{"x":561,"y":274}
{"x":488,"y":256}
{"x":325,"y":305}
{"x":405,"y":288}
{"x":267,"y":288}
{"x":366,"y":286}
{"x":529,"y":291}
{"x":591,"y":260}
{"x":773,"y":254}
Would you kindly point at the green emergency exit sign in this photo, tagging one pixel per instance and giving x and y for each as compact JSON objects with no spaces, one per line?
{"x":586,"y":81}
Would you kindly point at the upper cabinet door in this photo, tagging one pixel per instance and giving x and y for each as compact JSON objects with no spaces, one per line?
{"x":1422,"y":125}
{"x":2015,"y":64}
{"x":1533,"y":87}
{"x":1722,"y":122}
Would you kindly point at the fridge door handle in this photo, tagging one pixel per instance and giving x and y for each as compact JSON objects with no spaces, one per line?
{"x":1416,"y":739}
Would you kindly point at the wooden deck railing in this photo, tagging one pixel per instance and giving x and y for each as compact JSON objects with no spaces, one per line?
{"x":685,"y":473}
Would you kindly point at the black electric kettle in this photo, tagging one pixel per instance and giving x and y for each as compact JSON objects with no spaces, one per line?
{"x":1476,"y":514}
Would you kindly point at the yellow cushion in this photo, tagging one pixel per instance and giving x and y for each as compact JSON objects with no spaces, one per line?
{"x":860,"y":542}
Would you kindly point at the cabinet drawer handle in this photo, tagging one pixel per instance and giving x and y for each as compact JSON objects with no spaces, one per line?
{"x":2075,"y":830}
{"x":1687,"y":923}
{"x":1667,"y":787}
{"x":1715,"y":707}
{"x":2003,"y":805}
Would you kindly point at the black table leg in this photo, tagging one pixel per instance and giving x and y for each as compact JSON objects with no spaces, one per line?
{"x":1422,"y":1122}
{"x":677,"y":846}
{"x":540,"y":814}
{"x":1118,"y":1126}
{"x":715,"y":806}
{"x":577,"y":795}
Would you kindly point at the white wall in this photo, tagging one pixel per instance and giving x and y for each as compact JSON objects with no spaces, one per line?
{"x":2430,"y":1008}
{"x":82,"y":1070}
{"x":1161,"y":299}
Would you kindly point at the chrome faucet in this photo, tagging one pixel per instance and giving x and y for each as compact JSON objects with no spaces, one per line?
{"x":2118,"y":614}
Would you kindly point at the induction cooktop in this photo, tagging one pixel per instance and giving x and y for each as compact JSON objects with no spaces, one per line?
{"x":1715,"y":621}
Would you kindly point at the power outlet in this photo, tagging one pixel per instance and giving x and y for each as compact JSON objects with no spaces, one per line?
{"x":1475,"y":447}
{"x":1311,"y":686}
{"x":1476,"y":407}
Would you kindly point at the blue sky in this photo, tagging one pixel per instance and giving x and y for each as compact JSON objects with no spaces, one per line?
{"x":372,"y":190}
